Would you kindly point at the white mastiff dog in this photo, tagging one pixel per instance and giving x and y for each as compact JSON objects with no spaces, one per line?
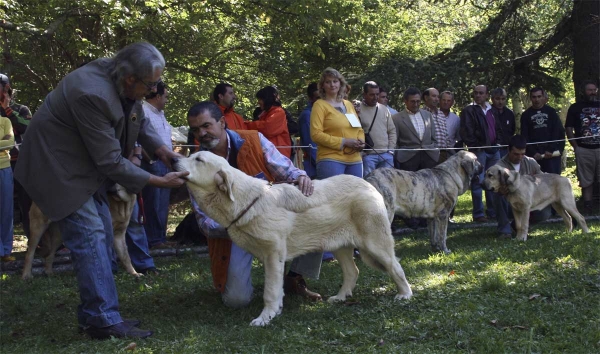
{"x":277,"y":223}
{"x":430,"y":193}
{"x":526,"y":193}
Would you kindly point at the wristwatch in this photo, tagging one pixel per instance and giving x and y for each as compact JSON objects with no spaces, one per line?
{"x":139,"y":156}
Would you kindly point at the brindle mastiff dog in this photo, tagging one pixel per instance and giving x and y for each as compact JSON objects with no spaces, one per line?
{"x":121,"y":206}
{"x":429,"y":193}
{"x":526,"y":193}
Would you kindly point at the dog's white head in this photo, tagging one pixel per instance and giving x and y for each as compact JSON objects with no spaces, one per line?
{"x":207,"y":172}
{"x":497,"y":177}
{"x":468,"y":161}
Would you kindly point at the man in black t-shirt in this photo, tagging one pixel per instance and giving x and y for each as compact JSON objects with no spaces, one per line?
{"x":540,"y":123}
{"x":583,"y":120}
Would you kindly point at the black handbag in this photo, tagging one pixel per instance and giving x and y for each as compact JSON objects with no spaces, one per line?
{"x":368,"y":140}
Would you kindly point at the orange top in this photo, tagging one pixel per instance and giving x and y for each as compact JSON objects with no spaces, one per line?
{"x":273,"y":125}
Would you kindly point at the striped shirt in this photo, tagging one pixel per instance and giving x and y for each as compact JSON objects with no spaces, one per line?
{"x":441,"y":130}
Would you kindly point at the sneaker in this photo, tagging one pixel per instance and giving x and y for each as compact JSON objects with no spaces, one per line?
{"x":119,"y":330}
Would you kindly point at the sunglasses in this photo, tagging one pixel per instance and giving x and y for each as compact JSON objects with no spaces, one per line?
{"x":150,"y":85}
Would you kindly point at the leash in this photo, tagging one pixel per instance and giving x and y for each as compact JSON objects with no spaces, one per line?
{"x":386,"y":161}
{"x":141,"y":212}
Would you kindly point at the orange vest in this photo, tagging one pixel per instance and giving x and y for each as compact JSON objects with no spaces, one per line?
{"x":251,"y":161}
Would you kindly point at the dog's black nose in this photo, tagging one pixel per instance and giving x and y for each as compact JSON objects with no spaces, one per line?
{"x":174,"y":160}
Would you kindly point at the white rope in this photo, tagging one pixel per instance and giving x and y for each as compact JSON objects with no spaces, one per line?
{"x":460,"y":148}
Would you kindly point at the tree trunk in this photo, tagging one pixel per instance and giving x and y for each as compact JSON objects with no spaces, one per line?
{"x":586,"y":42}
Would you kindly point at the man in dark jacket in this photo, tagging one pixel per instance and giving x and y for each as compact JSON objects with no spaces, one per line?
{"x":479,"y":130}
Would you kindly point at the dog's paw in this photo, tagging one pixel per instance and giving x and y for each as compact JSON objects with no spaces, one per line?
{"x":400,"y":297}
{"x":259,"y":322}
{"x":522,"y":237}
{"x":336,"y":298}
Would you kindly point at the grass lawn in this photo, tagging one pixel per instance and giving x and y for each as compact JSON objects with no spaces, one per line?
{"x":487,"y":296}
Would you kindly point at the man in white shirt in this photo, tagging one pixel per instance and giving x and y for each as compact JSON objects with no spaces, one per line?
{"x":156,"y":200}
{"x":452,"y":121}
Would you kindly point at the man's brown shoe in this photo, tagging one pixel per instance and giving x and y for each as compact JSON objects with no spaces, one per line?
{"x":297,"y":285}
{"x":481,"y":219}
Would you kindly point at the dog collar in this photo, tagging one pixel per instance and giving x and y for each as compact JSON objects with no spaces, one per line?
{"x":243,"y":212}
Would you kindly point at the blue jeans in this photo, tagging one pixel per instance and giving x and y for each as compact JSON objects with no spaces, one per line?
{"x":87,"y":232}
{"x":137,"y":244}
{"x":373,"y":161}
{"x":238,"y":288}
{"x":486,"y":160}
{"x":156,"y":206}
{"x":6,"y":211}
{"x":328,"y":168}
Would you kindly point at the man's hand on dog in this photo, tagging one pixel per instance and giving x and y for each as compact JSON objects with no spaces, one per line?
{"x":306,"y":186}
{"x":170,"y":180}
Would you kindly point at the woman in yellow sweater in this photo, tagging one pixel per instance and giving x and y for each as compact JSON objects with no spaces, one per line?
{"x":339,"y":143}
{"x":7,"y":141}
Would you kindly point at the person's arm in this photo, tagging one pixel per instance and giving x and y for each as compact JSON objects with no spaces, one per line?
{"x":467,"y":130}
{"x":208,"y":226}
{"x":282,"y":169}
{"x":317,"y":133}
{"x":570,"y":127}
{"x":556,"y":132}
{"x":19,"y":124}
{"x":391,"y":130}
{"x":7,"y":139}
{"x":271,"y":125}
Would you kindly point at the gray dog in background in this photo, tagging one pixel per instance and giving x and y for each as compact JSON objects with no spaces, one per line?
{"x":429,"y":193}
{"x":526,"y":193}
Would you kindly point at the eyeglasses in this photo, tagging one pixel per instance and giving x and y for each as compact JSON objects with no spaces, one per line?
{"x":150,"y":85}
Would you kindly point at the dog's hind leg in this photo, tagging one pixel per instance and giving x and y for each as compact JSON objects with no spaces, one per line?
{"x":384,"y":257}
{"x":38,"y":225}
{"x":565,"y":216}
{"x":345,"y":257}
{"x":571,"y":208}
{"x":54,"y":242}
{"x":274,"y":264}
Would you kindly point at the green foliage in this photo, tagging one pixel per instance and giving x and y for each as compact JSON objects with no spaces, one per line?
{"x":250,"y":43}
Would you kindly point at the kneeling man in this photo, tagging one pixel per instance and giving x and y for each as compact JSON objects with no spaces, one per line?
{"x":516,"y":160}
{"x":250,"y":152}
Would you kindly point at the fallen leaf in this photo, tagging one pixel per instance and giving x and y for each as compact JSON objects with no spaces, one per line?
{"x":494,"y":322}
{"x":381,"y":342}
{"x":131,"y":346}
{"x":534,"y":296}
{"x":452,"y":272}
{"x":519,"y":327}
{"x":351,"y":303}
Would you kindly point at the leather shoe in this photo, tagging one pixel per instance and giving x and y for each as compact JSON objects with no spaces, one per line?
{"x":150,"y":270}
{"x":297,"y":285}
{"x":481,"y":219}
{"x":119,"y":330}
{"x":132,"y":322}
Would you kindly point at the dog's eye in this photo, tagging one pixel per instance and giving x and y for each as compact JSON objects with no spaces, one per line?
{"x":198,"y":159}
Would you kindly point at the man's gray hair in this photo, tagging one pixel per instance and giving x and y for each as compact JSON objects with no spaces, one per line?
{"x":140,"y":59}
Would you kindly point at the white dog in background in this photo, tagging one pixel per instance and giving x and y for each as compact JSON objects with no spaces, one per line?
{"x":277,"y":223}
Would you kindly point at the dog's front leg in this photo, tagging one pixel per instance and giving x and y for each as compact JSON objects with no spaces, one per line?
{"x":522,"y":224}
{"x":438,"y":228}
{"x":273,"y":295}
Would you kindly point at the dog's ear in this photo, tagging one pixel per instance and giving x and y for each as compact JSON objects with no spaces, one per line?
{"x":507,"y":177}
{"x":224,"y":181}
